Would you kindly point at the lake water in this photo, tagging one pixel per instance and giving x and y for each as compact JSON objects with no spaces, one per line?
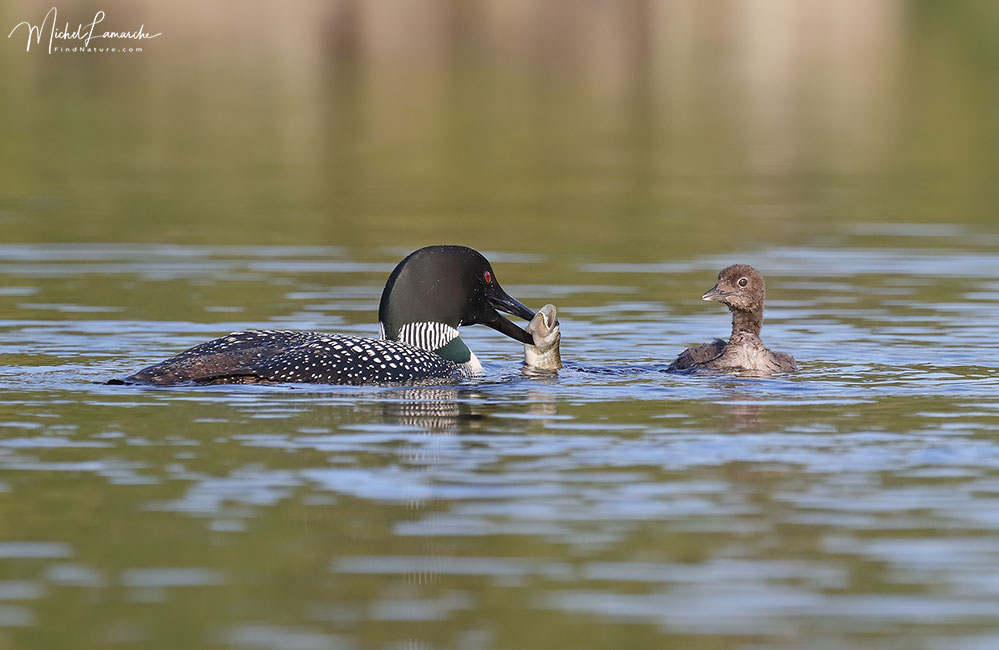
{"x":610,"y":162}
{"x":854,"y":502}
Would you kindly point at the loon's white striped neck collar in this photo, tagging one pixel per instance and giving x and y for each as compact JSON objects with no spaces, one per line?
{"x":439,"y":338}
{"x":426,"y":336}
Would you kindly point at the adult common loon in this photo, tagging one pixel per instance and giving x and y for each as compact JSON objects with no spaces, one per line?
{"x":740,"y":287}
{"x":428,"y":296}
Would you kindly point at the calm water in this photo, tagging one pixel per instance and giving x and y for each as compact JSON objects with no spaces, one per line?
{"x":259,"y":166}
{"x":855,"y":502}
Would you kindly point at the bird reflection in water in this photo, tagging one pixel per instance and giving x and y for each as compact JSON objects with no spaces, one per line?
{"x":745,"y":413}
{"x":454,"y":411}
{"x":444,"y":410}
{"x":429,"y":549}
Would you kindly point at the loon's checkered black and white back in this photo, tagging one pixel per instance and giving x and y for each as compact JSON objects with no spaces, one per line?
{"x":258,"y":356}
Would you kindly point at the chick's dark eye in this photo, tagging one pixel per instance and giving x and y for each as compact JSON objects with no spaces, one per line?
{"x":488,"y":277}
{"x":743,"y":282}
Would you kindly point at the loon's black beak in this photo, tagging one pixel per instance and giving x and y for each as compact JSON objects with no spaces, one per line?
{"x":503,"y":301}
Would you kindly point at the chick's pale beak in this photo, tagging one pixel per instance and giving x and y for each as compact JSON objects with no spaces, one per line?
{"x":714,"y":293}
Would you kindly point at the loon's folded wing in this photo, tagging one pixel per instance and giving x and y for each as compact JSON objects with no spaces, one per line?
{"x":229,"y":359}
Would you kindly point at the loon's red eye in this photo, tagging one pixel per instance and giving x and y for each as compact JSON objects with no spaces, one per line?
{"x":488,"y":277}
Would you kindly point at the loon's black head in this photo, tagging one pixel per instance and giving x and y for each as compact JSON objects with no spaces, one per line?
{"x":450,"y":285}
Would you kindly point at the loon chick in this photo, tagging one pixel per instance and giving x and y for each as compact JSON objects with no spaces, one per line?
{"x":428,"y":296}
{"x":740,"y":287}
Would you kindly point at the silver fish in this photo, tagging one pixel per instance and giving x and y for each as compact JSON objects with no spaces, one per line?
{"x":544,"y":354}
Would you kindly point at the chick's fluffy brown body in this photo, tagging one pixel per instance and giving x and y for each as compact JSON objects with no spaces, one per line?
{"x":741,"y":288}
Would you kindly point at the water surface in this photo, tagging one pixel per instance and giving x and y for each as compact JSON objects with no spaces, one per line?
{"x":854,"y":501}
